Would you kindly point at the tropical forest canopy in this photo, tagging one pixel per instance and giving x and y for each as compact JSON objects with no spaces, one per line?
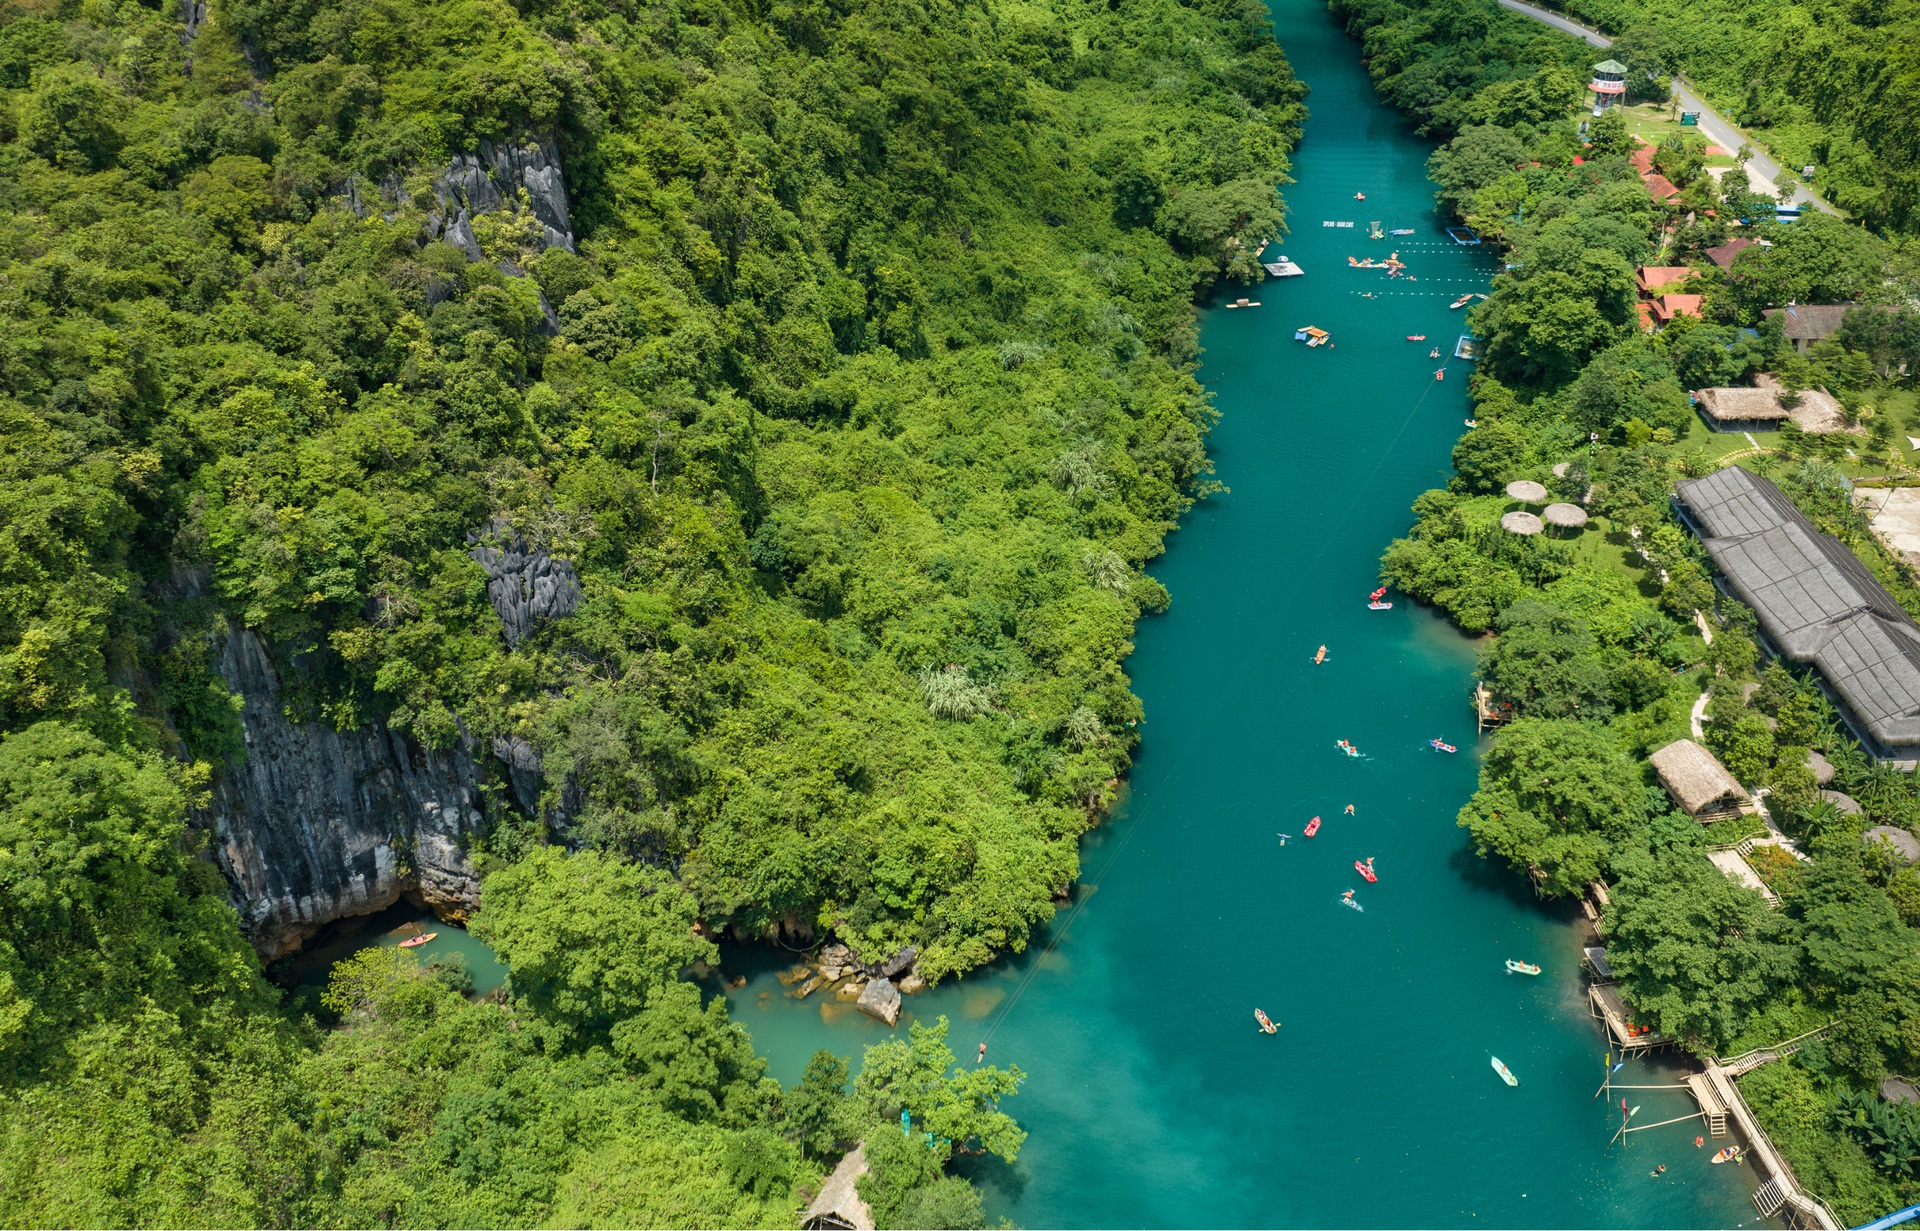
{"x":1597,"y":657}
{"x":858,"y":403}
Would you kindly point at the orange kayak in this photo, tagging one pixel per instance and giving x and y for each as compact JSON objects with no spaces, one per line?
{"x":414,"y":942}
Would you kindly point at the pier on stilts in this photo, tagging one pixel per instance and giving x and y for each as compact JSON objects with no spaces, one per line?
{"x":1721,"y":1105}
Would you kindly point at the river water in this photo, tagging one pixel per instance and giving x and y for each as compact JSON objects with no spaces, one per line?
{"x":1152,"y":1099}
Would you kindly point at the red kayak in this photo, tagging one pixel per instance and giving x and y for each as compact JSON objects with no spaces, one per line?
{"x":1366,"y":870}
{"x":1313,"y":826}
{"x":1377,"y":595}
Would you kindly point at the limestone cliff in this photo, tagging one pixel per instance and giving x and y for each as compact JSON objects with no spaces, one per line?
{"x":319,"y":824}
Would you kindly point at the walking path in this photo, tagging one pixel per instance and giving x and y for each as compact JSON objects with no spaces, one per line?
{"x":1717,"y":128}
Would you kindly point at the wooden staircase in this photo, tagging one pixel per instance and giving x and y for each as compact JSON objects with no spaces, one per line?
{"x":1768,"y":1198}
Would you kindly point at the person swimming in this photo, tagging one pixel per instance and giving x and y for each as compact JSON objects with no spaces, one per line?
{"x":1349,"y":809}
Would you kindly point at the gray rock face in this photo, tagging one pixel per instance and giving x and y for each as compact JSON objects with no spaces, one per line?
{"x":524,"y":583}
{"x":881,"y":999}
{"x":900,"y":961}
{"x":494,"y":174}
{"x":320,"y":824}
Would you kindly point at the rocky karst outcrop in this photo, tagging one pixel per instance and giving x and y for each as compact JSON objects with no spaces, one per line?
{"x":524,"y":583}
{"x":495,"y":173}
{"x":319,"y":824}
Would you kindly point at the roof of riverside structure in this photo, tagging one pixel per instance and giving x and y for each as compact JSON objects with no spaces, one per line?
{"x":1815,"y":600}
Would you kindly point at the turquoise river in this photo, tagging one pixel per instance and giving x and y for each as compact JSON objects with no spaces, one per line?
{"x":1152,"y":1099}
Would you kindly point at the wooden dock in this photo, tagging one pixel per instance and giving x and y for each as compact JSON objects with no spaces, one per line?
{"x":1281,"y":267}
{"x":1603,"y":999}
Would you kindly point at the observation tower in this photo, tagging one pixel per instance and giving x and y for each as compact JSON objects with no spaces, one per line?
{"x":1609,"y":85}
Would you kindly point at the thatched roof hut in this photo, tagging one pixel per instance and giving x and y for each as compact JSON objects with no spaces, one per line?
{"x":1566,"y":516}
{"x":1521,"y":523}
{"x":839,"y":1207}
{"x":1900,"y":840}
{"x":1821,"y":767}
{"x":1526,"y":491}
{"x":1699,"y":784}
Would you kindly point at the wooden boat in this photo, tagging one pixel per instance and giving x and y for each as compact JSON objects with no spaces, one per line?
{"x":1729,"y":1155}
{"x":1366,"y":870}
{"x":1461,"y":302}
{"x":1266,"y":1023}
{"x":414,"y":942}
{"x":1313,"y":826}
{"x":1521,"y":968}
{"x":1506,"y":1074}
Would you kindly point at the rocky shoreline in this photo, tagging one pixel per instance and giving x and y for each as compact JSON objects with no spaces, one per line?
{"x":875,"y":988}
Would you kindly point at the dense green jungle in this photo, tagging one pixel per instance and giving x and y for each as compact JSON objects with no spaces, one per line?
{"x":1597,"y":657}
{"x":856,"y":397}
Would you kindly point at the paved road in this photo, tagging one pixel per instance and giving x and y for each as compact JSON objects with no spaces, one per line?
{"x":1718,"y":130}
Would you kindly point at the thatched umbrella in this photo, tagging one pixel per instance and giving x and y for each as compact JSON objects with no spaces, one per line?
{"x":1821,"y":767}
{"x":1526,"y":491}
{"x":1566,"y":516}
{"x":1846,"y":803}
{"x":1560,"y":469}
{"x":1521,"y":523}
{"x":1903,"y":843}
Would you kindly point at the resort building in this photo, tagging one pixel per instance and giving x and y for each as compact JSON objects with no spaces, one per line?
{"x":1700,"y":786}
{"x":1759,"y":409}
{"x":1816,"y":602}
{"x":1652,"y":279}
{"x":1609,"y":85}
{"x":1724,"y":254}
{"x":1808,"y":323}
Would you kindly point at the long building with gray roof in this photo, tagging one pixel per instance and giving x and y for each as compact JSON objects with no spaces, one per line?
{"x":1816,"y":602}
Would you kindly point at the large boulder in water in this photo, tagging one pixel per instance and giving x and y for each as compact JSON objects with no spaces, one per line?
{"x":892,"y":966}
{"x":881,"y":1000}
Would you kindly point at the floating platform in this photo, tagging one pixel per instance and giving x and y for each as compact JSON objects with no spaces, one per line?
{"x":1467,"y":348}
{"x":1463,"y":236}
{"x":1281,"y":267}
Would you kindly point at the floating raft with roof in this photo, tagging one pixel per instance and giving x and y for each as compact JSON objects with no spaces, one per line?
{"x":1463,"y":236}
{"x":1281,"y":267}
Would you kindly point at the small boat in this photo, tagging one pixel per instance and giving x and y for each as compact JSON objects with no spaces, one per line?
{"x":1461,"y":302}
{"x":1401,"y":231}
{"x":1266,"y":1023}
{"x":1471,"y":422}
{"x":414,"y":942}
{"x":1379,"y":606}
{"x":1366,"y":870}
{"x":1439,"y":745}
{"x":1347,"y":748}
{"x":1506,"y":1074}
{"x":1729,"y":1155}
{"x":1440,"y":375}
{"x":1377,"y":595}
{"x":1416,"y":337}
{"x":1521,"y":968}
{"x":1313,"y":826}
{"x":1320,"y":657}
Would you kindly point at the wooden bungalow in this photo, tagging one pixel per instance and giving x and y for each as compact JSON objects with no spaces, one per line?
{"x":1698,"y":783}
{"x":839,"y":1207}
